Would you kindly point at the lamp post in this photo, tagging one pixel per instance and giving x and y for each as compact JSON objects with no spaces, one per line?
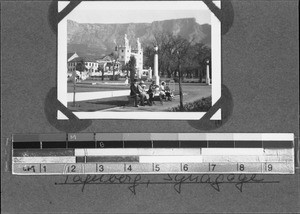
{"x":179,"y":82}
{"x":74,"y":86}
{"x":207,"y":72}
{"x":114,"y":65}
{"x":178,"y":57}
{"x":80,"y":66}
{"x":156,"y":77}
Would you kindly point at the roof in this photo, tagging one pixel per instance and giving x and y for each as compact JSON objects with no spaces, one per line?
{"x":102,"y":63}
{"x":85,"y":59}
{"x":105,"y":58}
{"x":71,"y":54}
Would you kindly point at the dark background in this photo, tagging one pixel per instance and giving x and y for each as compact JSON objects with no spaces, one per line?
{"x":259,"y":67}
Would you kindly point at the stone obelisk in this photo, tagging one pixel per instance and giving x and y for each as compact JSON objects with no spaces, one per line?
{"x":207,"y":73}
{"x":156,"y":77}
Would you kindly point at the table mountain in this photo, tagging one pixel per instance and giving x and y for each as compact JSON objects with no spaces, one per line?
{"x":100,"y":39}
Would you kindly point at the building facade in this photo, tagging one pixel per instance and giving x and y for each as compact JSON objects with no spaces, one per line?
{"x":125,"y":51}
{"x":107,"y":63}
{"x":90,"y":64}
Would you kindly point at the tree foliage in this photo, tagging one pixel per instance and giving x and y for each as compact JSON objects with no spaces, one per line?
{"x":177,"y":57}
{"x":80,"y":66}
{"x":132,"y":67}
{"x":148,"y":55}
{"x":102,"y":71}
{"x":114,"y":56}
{"x":174,"y":49}
{"x":126,"y":68}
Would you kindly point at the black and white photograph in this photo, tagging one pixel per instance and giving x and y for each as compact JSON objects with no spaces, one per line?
{"x":139,"y":60}
{"x":150,"y":106}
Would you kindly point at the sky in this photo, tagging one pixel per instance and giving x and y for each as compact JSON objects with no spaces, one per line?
{"x":137,"y":11}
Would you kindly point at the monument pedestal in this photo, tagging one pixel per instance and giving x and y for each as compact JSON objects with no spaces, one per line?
{"x":156,"y":79}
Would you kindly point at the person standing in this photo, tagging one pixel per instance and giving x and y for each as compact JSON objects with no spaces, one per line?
{"x":126,"y":81}
{"x":162,"y":89}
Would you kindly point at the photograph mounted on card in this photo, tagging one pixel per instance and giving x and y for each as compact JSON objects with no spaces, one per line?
{"x":148,"y":60}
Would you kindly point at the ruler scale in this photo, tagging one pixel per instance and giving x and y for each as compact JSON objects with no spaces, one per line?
{"x":152,"y":153}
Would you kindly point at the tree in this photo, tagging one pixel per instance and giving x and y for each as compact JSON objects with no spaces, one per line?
{"x":132,"y":67}
{"x":164,"y":40}
{"x":115,"y":56}
{"x":148,"y":55}
{"x":179,"y":52}
{"x":102,"y":71}
{"x":80,"y":66}
{"x":201,"y":53}
{"x":126,"y":68}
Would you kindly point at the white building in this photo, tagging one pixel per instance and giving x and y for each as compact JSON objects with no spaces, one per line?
{"x":90,"y":64}
{"x":125,"y":51}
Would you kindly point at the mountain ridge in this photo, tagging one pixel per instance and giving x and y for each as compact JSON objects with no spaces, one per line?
{"x":96,"y":39}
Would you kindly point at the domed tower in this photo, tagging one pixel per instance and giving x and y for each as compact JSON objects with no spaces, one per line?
{"x":124,"y":51}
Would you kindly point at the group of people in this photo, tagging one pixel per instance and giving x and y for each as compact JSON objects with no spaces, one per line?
{"x":138,"y":92}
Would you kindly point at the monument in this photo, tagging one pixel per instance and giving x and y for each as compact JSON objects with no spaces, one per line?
{"x":207,"y":73}
{"x":156,"y":77}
